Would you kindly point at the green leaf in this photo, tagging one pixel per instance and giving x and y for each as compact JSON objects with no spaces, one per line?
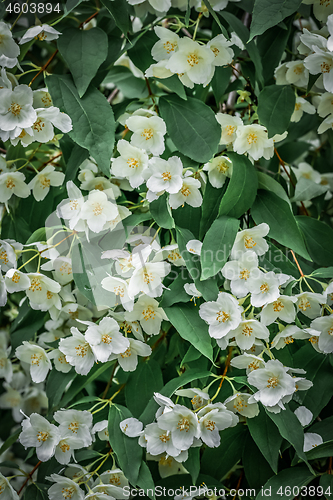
{"x":216,"y":19}
{"x":216,"y":250}
{"x":174,"y":84}
{"x":275,"y":260}
{"x":92,"y":117}
{"x":84,"y":51}
{"x":220,"y":82}
{"x":186,"y":320}
{"x":244,"y":34}
{"x":242,"y":188}
{"x":168,"y":390}
{"x":326,"y":481}
{"x":267,"y":437}
{"x":34,"y":492}
{"x":140,"y":385}
{"x":284,"y":483}
{"x":80,"y":275}
{"x":161,"y":212}
{"x":217,"y":462}
{"x":276,"y":104}
{"x":10,"y":440}
{"x":77,"y":157}
{"x":267,"y":182}
{"x":56,"y":384}
{"x":290,"y":429}
{"x":176,"y":292}
{"x":307,"y":189}
{"x":323,"y":450}
{"x":268,"y":13}
{"x":256,"y":468}
{"x":140,"y":53}
{"x":127,"y":450}
{"x":269,"y":208}
{"x":323,"y":272}
{"x":145,"y":480}
{"x":318,"y":238}
{"x":192,"y":464}
{"x":119,"y":11}
{"x":210,"y":206}
{"x":271,"y":46}
{"x":191,"y":126}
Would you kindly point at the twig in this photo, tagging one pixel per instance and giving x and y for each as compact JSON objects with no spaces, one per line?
{"x":89,"y":19}
{"x":29,"y":477}
{"x":43,"y":68}
{"x":49,"y":161}
{"x":113,"y":95}
{"x":110,"y":381}
{"x":239,"y":483}
{"x":297,"y":264}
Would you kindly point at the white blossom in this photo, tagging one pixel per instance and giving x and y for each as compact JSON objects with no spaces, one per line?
{"x":189,"y":193}
{"x":239,"y":403}
{"x":310,"y":303}
{"x":41,"y":32}
{"x":78,"y":352}
{"x":106,"y":339}
{"x":37,"y":358}
{"x":311,"y":440}
{"x":41,"y":183}
{"x":167,"y":44}
{"x":39,"y":433}
{"x":75,"y":423}
{"x":131,"y":426}
{"x":229,"y":126}
{"x":128,"y":359}
{"x":16,"y":108}
{"x":13,"y":183}
{"x":222,"y":315}
{"x":219,"y":168}
{"x":147,"y":311}
{"x":240,"y":270}
{"x":183,"y":425}
{"x":148,"y":133}
{"x":65,"y":488}
{"x":324,"y":325}
{"x":253,"y":139}
{"x":251,"y":239}
{"x":130,"y":164}
{"x":97,"y":210}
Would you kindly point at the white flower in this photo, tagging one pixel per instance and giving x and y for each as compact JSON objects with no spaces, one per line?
{"x":97,"y":210}
{"x":239,"y":403}
{"x":280,"y":74}
{"x":304,"y":415}
{"x":222,"y":315}
{"x":297,"y":74}
{"x":194,"y":246}
{"x":248,"y":361}
{"x":166,"y":175}
{"x":71,"y":210}
{"x":305,"y":170}
{"x":302,"y":106}
{"x":128,"y":359}
{"x":6,"y":367}
{"x":172,"y":254}
{"x":219,"y":168}
{"x":198,"y":398}
{"x":220,"y":47}
{"x":264,"y":287}
{"x":65,"y":449}
{"x":310,"y":304}
{"x":7,"y":255}
{"x":130,"y":164}
{"x":148,"y":133}
{"x":166,"y":46}
{"x":63,"y":272}
{"x":229,"y":126}
{"x":194,"y":60}
{"x":247,"y":331}
{"x":147,"y":311}
{"x":251,"y":239}
{"x":325,"y":124}
{"x":212,"y":419}
{"x":183,"y":424}
{"x":37,"y":358}
{"x":119,"y":287}
{"x":106,"y":339}
{"x":43,"y":292}
{"x":113,"y":477}
{"x":287,"y":336}
{"x":159,"y":441}
{"x":39,"y":433}
{"x":283,"y":308}
{"x":78,"y":352}
{"x":41,"y":183}
{"x":60,"y":362}
{"x":16,"y":281}
{"x":273,"y":383}
{"x":41,"y":98}
{"x":321,"y":62}
{"x":102,"y":430}
{"x":239,"y":271}
{"x":321,"y":8}
{"x":132,"y":427}
{"x":65,"y":488}
{"x":75,"y":423}
{"x":324,"y":325}
{"x":16,"y":108}
{"x":253,"y":139}
{"x":8,"y":47}
{"x":5,"y":487}
{"x":43,"y":32}
{"x":311,"y":440}
{"x":189,"y":193}
{"x":148,"y":278}
{"x":13,"y":183}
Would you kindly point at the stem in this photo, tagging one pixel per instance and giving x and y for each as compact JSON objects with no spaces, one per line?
{"x":110,"y":381}
{"x":297,"y":264}
{"x":197,"y":25}
{"x":29,"y":477}
{"x":18,"y":17}
{"x":43,"y":68}
{"x":227,"y":364}
{"x":89,"y":19}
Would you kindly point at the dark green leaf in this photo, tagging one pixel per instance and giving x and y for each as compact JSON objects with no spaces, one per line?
{"x":267,"y":437}
{"x":269,"y":208}
{"x":84,"y":51}
{"x":174,"y":84}
{"x":256,"y":469}
{"x":271,"y":46}
{"x":161,"y":212}
{"x":185,"y":318}
{"x":119,"y":11}
{"x":217,"y":245}
{"x":321,"y":451}
{"x":10,"y":440}
{"x":56,"y":385}
{"x":242,"y":188}
{"x":210,"y":206}
{"x":318,"y":238}
{"x":127,"y":450}
{"x":78,"y":155}
{"x":192,"y":126}
{"x":284,"y":483}
{"x":326,"y":481}
{"x":220,"y":82}
{"x":92,"y":117}
{"x":145,"y":480}
{"x":267,"y":182}
{"x":276,"y":104}
{"x":192,"y":464}
{"x":140,"y":385}
{"x":140,"y":53}
{"x":323,"y":272}
{"x":268,"y":13}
